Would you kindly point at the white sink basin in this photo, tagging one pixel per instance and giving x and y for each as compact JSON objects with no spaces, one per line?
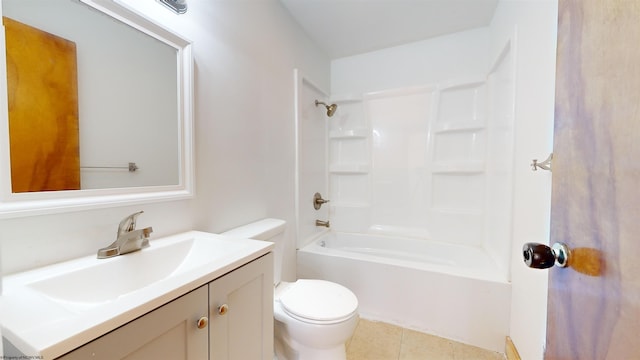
{"x":97,"y":281}
{"x":54,"y":309}
{"x":106,"y":280}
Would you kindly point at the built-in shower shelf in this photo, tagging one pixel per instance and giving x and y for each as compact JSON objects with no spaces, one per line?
{"x":456,"y":211}
{"x":360,"y":133}
{"x":349,"y":169}
{"x":461,"y":126}
{"x":459,"y":168}
{"x":351,"y":205}
{"x":460,"y":84}
{"x":347,"y":98}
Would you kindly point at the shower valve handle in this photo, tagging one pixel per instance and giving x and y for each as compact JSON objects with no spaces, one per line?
{"x":540,"y":256}
{"x":318,"y":201}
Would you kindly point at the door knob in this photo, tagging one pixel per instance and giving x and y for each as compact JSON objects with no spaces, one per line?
{"x":540,"y":256}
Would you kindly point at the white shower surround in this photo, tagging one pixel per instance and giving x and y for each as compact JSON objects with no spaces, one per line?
{"x":429,"y":165}
{"x":432,"y":162}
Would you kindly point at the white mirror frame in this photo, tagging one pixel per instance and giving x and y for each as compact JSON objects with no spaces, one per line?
{"x":48,"y":202}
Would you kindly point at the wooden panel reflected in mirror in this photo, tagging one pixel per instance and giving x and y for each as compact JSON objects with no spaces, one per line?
{"x":43,"y":109}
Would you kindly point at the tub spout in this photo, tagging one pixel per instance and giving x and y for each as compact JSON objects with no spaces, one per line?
{"x":322,"y":223}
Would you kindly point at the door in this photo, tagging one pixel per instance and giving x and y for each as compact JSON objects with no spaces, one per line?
{"x":241,"y":313}
{"x":594,"y":305}
{"x":43,"y":109}
{"x":177,"y":331}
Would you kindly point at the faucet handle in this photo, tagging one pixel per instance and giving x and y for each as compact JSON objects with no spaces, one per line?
{"x":318,"y":201}
{"x":128,"y":223}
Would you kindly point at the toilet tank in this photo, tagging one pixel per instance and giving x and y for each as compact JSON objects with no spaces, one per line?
{"x":268,"y":230}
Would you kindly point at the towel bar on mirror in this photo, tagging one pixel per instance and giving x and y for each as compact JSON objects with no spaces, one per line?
{"x":131,"y":168}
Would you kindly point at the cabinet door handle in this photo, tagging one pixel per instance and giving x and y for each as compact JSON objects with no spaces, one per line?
{"x":202,"y":322}
{"x":222,"y":309}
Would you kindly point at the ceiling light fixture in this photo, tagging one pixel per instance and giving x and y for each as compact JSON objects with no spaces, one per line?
{"x":178,"y":6}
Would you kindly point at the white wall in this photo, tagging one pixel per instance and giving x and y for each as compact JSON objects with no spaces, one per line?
{"x":245,"y":53}
{"x":460,"y":55}
{"x":535,"y":24}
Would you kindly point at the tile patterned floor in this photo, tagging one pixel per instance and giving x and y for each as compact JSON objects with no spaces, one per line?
{"x":380,"y":341}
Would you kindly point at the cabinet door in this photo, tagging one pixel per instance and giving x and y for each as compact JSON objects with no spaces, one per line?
{"x":169,"y":332}
{"x":241,"y":312}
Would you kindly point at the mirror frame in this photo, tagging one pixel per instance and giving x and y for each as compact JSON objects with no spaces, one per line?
{"x":48,"y":202}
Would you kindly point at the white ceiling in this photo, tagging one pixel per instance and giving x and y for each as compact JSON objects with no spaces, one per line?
{"x":349,"y":27}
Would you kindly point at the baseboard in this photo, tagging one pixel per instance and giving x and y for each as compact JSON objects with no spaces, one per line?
{"x":510,"y":350}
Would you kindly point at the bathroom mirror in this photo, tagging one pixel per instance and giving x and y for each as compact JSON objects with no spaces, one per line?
{"x":133,"y":108}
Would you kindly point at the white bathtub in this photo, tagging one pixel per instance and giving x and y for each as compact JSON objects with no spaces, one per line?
{"x":452,"y":291}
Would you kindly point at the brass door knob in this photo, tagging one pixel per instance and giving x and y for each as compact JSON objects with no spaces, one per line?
{"x":202,"y":322}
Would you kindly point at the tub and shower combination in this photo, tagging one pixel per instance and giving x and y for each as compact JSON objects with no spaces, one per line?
{"x":420,"y":183}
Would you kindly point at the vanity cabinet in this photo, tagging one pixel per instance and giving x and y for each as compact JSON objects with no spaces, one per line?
{"x":241,"y":313}
{"x":169,"y":332}
{"x":226,"y":319}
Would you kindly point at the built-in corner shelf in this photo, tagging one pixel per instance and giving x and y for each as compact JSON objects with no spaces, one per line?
{"x":459,"y":168}
{"x":463,"y":84}
{"x":359,"y":133}
{"x":346,"y":98}
{"x":351,"y":205}
{"x":449,"y":127}
{"x":349,"y":169}
{"x":456,"y":212}
{"x":350,"y":163}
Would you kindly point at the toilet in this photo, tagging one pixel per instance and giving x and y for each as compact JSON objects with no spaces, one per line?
{"x":313,"y":318}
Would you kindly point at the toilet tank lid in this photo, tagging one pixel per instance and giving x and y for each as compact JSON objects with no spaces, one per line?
{"x":259,"y":230}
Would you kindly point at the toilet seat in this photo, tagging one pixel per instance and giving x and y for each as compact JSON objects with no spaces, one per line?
{"x":318,"y":301}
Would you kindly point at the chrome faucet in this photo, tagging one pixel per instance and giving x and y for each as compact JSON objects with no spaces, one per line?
{"x":128,"y":240}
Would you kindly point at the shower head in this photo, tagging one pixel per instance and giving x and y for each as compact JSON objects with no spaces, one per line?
{"x":331,"y":109}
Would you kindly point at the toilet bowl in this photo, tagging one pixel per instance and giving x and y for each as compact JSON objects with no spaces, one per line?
{"x":313,"y":318}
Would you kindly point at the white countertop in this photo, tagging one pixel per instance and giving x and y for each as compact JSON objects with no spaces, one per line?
{"x":41,"y":318}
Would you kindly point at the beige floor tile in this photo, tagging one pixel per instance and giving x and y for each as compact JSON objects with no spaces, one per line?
{"x":468,"y":352}
{"x":420,"y":346}
{"x":380,"y":341}
{"x":375,"y":341}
